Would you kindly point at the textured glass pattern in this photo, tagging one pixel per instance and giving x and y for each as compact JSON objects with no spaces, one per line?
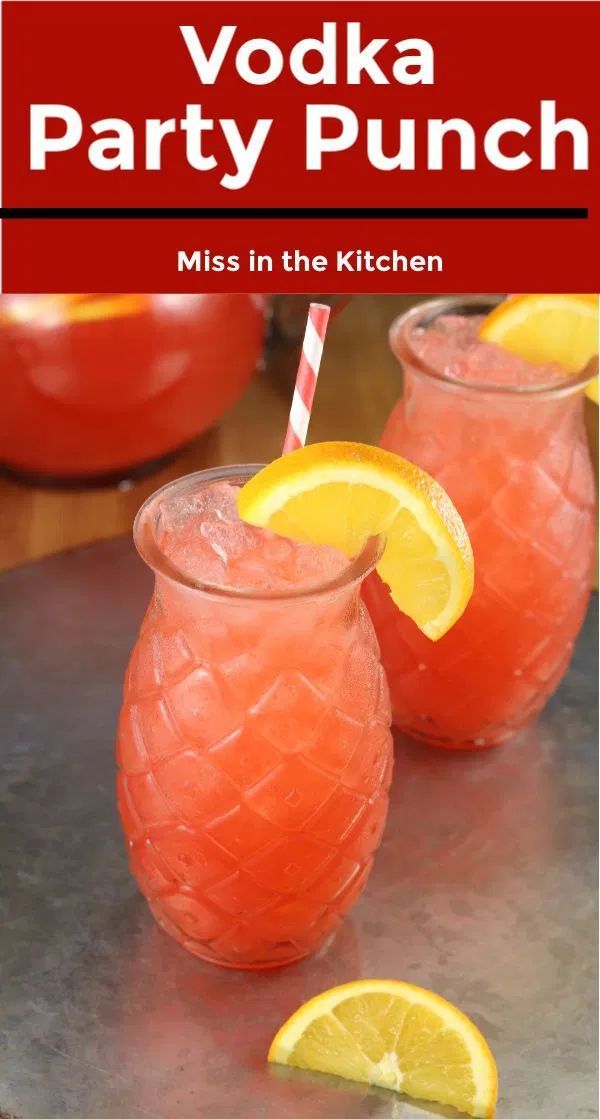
{"x":520,"y":475}
{"x":254,"y":756}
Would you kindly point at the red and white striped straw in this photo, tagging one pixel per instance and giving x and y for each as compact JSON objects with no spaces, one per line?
{"x":306,"y":378}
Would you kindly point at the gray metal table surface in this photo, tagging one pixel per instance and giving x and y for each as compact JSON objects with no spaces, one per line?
{"x":484,"y":889}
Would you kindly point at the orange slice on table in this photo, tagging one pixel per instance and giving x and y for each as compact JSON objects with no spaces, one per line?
{"x":341,"y":494}
{"x":394,"y":1035}
{"x":547,"y":328}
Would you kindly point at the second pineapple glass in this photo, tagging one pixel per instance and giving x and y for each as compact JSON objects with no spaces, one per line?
{"x":514,"y":459}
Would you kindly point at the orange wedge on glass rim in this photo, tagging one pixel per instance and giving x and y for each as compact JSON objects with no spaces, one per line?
{"x":545,"y":329}
{"x":341,"y":494}
{"x":393,"y":1035}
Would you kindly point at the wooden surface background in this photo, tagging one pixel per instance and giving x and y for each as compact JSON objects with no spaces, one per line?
{"x":359,"y":383}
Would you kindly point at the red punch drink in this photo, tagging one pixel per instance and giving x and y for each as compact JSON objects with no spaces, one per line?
{"x":254,"y":744}
{"x":94,"y":386}
{"x":506,"y":440}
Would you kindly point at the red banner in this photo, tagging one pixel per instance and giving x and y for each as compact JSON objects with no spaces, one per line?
{"x":259,"y":146}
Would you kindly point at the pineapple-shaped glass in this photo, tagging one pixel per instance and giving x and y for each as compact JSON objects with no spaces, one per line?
{"x":513,"y":457}
{"x":254,"y":751}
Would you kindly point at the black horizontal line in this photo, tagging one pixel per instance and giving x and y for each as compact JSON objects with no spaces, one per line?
{"x":14,"y":213}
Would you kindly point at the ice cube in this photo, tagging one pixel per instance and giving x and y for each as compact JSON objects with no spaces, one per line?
{"x":221,"y":499}
{"x":228,"y":539}
{"x":314,"y":565}
{"x":189,"y":510}
{"x":276,"y":549}
{"x":248,"y":570}
{"x":196,"y":558}
{"x":452,"y":346}
{"x":197,"y":531}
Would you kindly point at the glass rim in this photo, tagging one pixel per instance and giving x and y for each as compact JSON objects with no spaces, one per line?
{"x":424,"y":313}
{"x":356,"y":569}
